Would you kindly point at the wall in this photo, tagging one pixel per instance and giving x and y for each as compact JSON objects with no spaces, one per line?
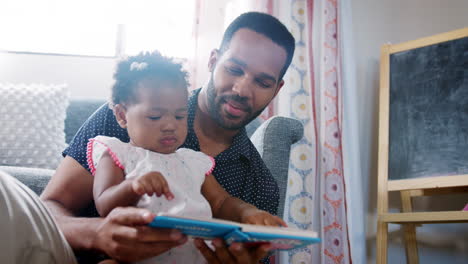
{"x":87,"y":77}
{"x":390,"y":21}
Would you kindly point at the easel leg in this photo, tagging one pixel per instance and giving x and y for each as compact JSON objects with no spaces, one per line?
{"x":411,"y":245}
{"x":409,"y":230}
{"x":382,"y":242}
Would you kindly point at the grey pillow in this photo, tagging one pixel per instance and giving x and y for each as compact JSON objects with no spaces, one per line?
{"x":32,"y":124}
{"x":36,"y":179}
{"x":273,"y":140}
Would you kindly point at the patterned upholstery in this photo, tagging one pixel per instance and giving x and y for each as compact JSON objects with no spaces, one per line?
{"x":36,"y":179}
{"x":32,"y":124}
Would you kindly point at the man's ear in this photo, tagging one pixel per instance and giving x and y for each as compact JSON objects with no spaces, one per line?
{"x":280,"y":85}
{"x":120,"y":113}
{"x":213,"y":59}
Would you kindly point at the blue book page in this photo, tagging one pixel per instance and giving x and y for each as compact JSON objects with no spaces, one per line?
{"x":281,"y":238}
{"x":192,"y":227}
{"x":280,"y":241}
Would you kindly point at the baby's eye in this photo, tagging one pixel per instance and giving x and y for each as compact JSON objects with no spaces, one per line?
{"x":180,"y":117}
{"x":154,"y":117}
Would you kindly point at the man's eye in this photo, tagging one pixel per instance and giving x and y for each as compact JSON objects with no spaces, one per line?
{"x":154,"y":117}
{"x":234,"y":70}
{"x":264,"y":84}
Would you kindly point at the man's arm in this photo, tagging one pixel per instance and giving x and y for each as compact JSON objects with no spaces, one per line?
{"x":222,"y":204}
{"x":123,"y":234}
{"x":69,"y":191}
{"x":225,"y":206}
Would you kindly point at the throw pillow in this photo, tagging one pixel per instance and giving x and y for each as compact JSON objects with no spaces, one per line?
{"x":32,"y":120}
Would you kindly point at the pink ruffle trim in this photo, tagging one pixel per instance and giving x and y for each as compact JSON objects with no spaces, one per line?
{"x":212,"y":166}
{"x":89,"y":155}
{"x":466,"y":208}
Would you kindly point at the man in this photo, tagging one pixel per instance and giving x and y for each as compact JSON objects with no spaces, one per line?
{"x":246,"y":74}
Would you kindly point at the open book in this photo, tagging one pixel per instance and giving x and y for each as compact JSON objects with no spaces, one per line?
{"x":283,"y":238}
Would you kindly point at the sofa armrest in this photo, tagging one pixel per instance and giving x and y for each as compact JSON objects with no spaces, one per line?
{"x":273,"y":140}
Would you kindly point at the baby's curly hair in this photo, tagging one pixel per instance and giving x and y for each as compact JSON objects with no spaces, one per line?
{"x":146,"y":65}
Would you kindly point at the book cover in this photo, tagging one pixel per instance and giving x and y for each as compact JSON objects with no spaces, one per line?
{"x":282,"y":238}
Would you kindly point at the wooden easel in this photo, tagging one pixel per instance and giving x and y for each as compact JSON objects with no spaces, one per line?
{"x":411,"y":187}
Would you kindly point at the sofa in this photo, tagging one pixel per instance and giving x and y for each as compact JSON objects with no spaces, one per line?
{"x":272,"y":138}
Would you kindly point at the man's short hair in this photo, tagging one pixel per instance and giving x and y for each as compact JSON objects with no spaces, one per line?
{"x":266,"y":25}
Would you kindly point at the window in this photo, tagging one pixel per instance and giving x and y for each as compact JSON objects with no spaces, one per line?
{"x":97,"y":28}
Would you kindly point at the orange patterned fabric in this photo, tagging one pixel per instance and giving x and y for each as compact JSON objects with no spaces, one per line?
{"x":316,"y":197}
{"x":333,"y":189}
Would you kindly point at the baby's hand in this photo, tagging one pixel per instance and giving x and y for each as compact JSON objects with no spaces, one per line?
{"x":152,"y":183}
{"x":260,"y":217}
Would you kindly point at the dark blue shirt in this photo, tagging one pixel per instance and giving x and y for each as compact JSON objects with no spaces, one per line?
{"x":239,"y":169}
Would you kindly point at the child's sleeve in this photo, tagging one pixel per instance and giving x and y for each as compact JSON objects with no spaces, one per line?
{"x":101,"y":144}
{"x":207,"y":163}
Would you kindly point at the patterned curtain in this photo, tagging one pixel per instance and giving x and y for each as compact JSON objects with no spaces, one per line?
{"x":316,"y":196}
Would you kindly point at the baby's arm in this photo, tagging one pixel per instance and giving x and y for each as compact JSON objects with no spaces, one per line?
{"x":225,"y":206}
{"x":111,"y":189}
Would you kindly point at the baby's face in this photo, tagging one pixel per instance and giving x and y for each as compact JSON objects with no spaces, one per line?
{"x":158,"y":119}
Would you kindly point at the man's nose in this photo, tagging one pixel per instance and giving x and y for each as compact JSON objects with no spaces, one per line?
{"x":242,"y":87}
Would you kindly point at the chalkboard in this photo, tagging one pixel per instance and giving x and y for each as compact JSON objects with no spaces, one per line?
{"x":428,"y":108}
{"x":423,"y":131}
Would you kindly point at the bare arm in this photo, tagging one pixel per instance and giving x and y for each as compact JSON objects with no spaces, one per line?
{"x":222,"y":204}
{"x":225,"y":206}
{"x":111,"y":189}
{"x":123,"y":234}
{"x":68,"y":192}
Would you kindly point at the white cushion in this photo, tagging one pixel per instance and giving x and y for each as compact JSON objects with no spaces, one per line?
{"x":32,"y":121}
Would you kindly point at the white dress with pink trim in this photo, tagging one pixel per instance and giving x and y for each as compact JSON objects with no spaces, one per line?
{"x":185,"y":171}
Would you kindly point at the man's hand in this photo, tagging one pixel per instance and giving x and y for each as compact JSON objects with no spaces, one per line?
{"x":236,"y":253}
{"x":125,"y":236}
{"x":152,"y":183}
{"x":259,"y":217}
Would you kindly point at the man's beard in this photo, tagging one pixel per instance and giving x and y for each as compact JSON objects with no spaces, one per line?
{"x":215,"y":108}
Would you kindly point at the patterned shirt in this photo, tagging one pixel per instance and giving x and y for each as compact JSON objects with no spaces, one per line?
{"x":239,"y":169}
